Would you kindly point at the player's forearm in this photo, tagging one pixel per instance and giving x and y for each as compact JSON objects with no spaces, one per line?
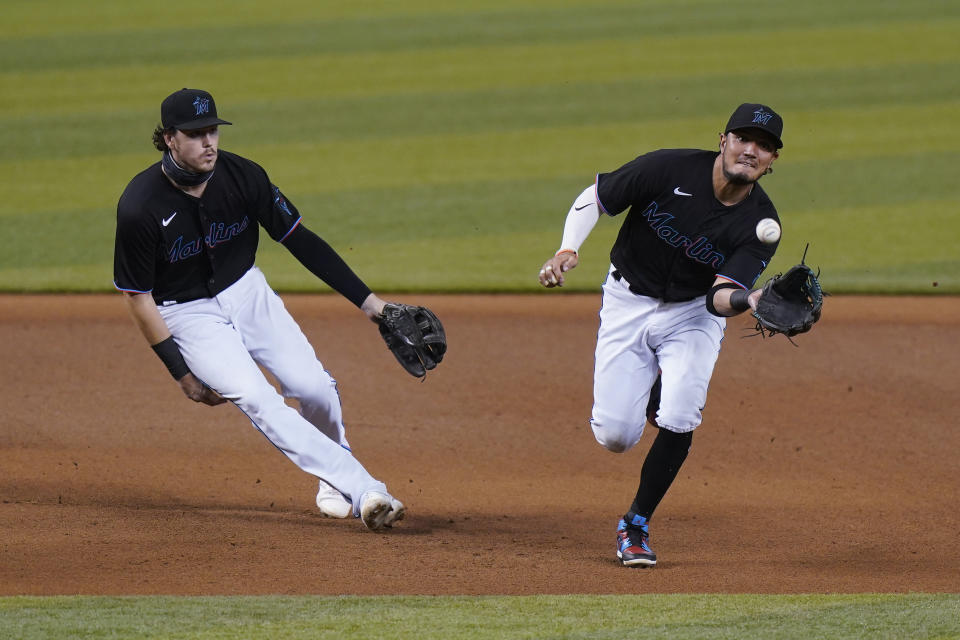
{"x":145,"y":315}
{"x":153,"y":327}
{"x":325,"y":263}
{"x":581,"y":219}
{"x":721,"y":302}
{"x":733,"y":301}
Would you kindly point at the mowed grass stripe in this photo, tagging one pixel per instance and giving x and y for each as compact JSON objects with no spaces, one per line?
{"x":25,"y":19}
{"x":924,"y":232}
{"x":852,"y":247}
{"x":470,"y":209}
{"x":654,"y":616}
{"x":465,"y":68}
{"x":96,"y":181}
{"x":458,"y":112}
{"x":247,"y":35}
{"x":76,"y":278}
{"x":506,"y":262}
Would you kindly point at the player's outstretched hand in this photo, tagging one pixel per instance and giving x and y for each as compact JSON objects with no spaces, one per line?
{"x":551,"y":274}
{"x":372,"y":307}
{"x":199,"y":392}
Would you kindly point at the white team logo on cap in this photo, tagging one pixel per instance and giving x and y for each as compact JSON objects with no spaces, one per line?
{"x":202,"y":105}
{"x":761,"y":116}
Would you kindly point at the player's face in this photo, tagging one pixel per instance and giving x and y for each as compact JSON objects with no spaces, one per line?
{"x":195,"y":150}
{"x":747,"y":154}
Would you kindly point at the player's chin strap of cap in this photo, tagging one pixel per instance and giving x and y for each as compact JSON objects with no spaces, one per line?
{"x":180,"y":175}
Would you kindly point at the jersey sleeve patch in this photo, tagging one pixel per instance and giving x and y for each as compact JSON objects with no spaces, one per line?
{"x":281,"y":217}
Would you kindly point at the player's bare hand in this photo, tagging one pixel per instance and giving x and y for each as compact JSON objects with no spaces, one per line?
{"x":199,"y":392}
{"x":373,"y":307}
{"x":551,"y":274}
{"x":754,"y":298}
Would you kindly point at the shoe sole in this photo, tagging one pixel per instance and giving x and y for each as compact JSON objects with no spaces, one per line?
{"x":383,"y":515}
{"x":637,"y":563}
{"x":397,"y":511}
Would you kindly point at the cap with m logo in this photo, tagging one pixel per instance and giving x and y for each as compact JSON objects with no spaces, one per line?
{"x":189,"y":109}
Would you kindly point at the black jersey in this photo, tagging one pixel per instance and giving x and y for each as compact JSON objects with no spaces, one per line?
{"x":677,"y":237}
{"x":182,"y":248}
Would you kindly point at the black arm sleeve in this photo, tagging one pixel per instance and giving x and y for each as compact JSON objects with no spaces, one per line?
{"x":713,"y":290}
{"x":322,"y":261}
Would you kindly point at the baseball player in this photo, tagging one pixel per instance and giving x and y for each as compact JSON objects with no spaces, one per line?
{"x":685,"y":259}
{"x":186,"y":240}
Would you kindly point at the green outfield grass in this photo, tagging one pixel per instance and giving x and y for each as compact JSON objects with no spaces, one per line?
{"x":677,"y":617}
{"x":438,"y":145}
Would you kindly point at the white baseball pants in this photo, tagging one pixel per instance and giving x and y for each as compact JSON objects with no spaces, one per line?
{"x":224,"y":338}
{"x":637,"y":337}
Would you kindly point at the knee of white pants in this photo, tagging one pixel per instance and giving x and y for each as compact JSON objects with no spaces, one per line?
{"x":260,"y":400}
{"x":316,"y":386}
{"x":616,"y":435}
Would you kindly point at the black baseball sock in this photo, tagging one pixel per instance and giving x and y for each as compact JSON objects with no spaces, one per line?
{"x":663,"y":462}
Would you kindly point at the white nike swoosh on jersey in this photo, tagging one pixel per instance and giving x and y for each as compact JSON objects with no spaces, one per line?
{"x":166,"y":221}
{"x":677,"y":191}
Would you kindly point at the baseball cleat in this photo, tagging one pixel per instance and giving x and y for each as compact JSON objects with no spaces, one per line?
{"x":378,"y":510}
{"x":332,"y":503}
{"x":633,"y":548}
{"x":397,"y":511}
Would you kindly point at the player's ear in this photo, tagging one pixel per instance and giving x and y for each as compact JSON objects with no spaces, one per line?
{"x":723,"y":138}
{"x":776,"y":154}
{"x":770,"y":166}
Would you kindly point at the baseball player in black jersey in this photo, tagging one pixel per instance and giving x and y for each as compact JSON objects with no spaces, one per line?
{"x":685,"y":259}
{"x":186,"y":239}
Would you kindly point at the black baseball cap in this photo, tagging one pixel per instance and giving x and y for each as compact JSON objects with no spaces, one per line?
{"x":189,"y":109}
{"x":752,"y":115}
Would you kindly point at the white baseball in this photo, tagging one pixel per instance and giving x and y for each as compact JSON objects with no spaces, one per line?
{"x":768,"y":230}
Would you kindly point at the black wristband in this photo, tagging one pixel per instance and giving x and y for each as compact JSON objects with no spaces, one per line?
{"x":169,"y":352}
{"x":738,"y":299}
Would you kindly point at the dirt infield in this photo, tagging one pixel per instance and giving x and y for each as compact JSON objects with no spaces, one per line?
{"x":832,"y":467}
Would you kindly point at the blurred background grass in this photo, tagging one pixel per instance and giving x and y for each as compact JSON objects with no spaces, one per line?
{"x":438,"y":145}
